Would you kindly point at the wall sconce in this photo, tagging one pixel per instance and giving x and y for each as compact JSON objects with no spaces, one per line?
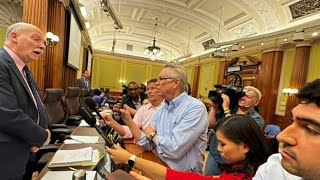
{"x":122,"y":82}
{"x":289,"y":91}
{"x":51,"y":39}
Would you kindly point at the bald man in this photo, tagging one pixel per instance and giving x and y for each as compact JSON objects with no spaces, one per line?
{"x":23,"y":125}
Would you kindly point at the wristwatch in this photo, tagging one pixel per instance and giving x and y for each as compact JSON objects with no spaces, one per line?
{"x":151,"y":136}
{"x":131,"y":161}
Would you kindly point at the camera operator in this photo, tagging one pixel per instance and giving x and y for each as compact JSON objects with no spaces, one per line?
{"x":246,"y":105}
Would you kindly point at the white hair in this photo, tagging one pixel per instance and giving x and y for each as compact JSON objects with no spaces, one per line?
{"x":17,"y":27}
{"x":177,"y":71}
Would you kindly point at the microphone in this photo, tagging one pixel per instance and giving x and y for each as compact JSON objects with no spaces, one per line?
{"x":92,"y":105}
{"x":91,"y":120}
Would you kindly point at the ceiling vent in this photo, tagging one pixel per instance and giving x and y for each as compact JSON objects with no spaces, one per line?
{"x":129,"y":47}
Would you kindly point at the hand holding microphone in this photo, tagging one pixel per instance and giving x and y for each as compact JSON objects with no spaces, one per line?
{"x":91,"y":120}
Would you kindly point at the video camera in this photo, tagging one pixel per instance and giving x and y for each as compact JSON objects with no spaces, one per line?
{"x":234,"y":89}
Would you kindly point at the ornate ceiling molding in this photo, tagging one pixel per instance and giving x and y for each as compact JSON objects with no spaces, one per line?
{"x":267,"y":13}
{"x":10,"y":13}
{"x":304,"y":7}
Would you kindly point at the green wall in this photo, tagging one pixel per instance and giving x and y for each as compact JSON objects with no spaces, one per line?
{"x":208,"y":78}
{"x":287,"y":65}
{"x":2,"y":35}
{"x":108,"y":73}
{"x":314,"y":64}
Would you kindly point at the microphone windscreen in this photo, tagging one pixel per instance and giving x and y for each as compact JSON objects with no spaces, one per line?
{"x":90,"y":103}
{"x":87,"y":116}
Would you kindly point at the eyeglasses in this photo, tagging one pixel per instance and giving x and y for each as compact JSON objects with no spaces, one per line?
{"x":162,"y":78}
{"x":133,"y":89}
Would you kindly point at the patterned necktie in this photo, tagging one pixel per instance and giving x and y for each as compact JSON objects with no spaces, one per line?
{"x":42,"y":114}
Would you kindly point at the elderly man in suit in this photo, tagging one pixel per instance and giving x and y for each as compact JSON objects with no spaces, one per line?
{"x":84,"y":82}
{"x":23,"y":124}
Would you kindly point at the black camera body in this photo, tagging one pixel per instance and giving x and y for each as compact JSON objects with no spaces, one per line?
{"x":233,"y":89}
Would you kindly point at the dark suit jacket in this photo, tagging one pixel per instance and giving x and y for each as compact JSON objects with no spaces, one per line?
{"x":18,"y":116}
{"x":80,"y":83}
{"x":128,"y":101}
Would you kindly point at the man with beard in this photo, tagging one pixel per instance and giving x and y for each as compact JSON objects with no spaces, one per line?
{"x":299,"y":143}
{"x":246,"y":105}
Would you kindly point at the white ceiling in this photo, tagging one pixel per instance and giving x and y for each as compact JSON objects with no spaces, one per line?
{"x":183,"y":25}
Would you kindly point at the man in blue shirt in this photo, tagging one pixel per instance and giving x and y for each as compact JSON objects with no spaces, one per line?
{"x":178,"y":131}
{"x":246,"y":105}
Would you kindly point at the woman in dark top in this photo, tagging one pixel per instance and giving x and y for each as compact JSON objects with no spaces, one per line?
{"x":242,"y":145}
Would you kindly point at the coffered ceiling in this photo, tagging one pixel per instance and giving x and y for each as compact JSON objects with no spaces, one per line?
{"x":184,"y":26}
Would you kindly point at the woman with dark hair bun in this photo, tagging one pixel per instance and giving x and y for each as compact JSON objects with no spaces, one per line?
{"x":242,"y":145}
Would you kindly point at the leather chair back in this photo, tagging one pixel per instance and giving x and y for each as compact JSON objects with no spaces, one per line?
{"x":83,"y":94}
{"x":54,"y":109}
{"x":72,"y":100}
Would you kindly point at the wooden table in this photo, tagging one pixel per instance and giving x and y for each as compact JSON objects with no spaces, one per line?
{"x":89,"y":131}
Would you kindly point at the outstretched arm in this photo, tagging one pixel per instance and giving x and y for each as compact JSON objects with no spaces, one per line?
{"x":150,"y":168}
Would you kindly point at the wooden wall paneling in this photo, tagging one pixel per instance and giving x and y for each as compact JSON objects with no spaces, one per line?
{"x":268,"y":83}
{"x":84,"y":60}
{"x":298,"y":78}
{"x":55,"y":56}
{"x":278,"y":120}
{"x":70,"y":75}
{"x":36,"y":12}
{"x":196,"y":79}
{"x":222,"y":72}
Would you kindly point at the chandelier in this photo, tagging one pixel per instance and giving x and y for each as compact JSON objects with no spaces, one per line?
{"x":153,"y":51}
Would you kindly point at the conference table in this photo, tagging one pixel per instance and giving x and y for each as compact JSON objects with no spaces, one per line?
{"x":89,"y":131}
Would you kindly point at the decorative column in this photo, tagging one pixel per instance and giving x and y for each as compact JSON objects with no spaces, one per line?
{"x":196,"y":77}
{"x":268,"y":82}
{"x":55,"y":55}
{"x":36,"y":12}
{"x":298,"y":77}
{"x":222,"y":72}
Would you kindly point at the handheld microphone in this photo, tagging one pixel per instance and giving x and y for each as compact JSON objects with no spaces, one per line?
{"x":92,"y":105}
{"x":91,"y":120}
